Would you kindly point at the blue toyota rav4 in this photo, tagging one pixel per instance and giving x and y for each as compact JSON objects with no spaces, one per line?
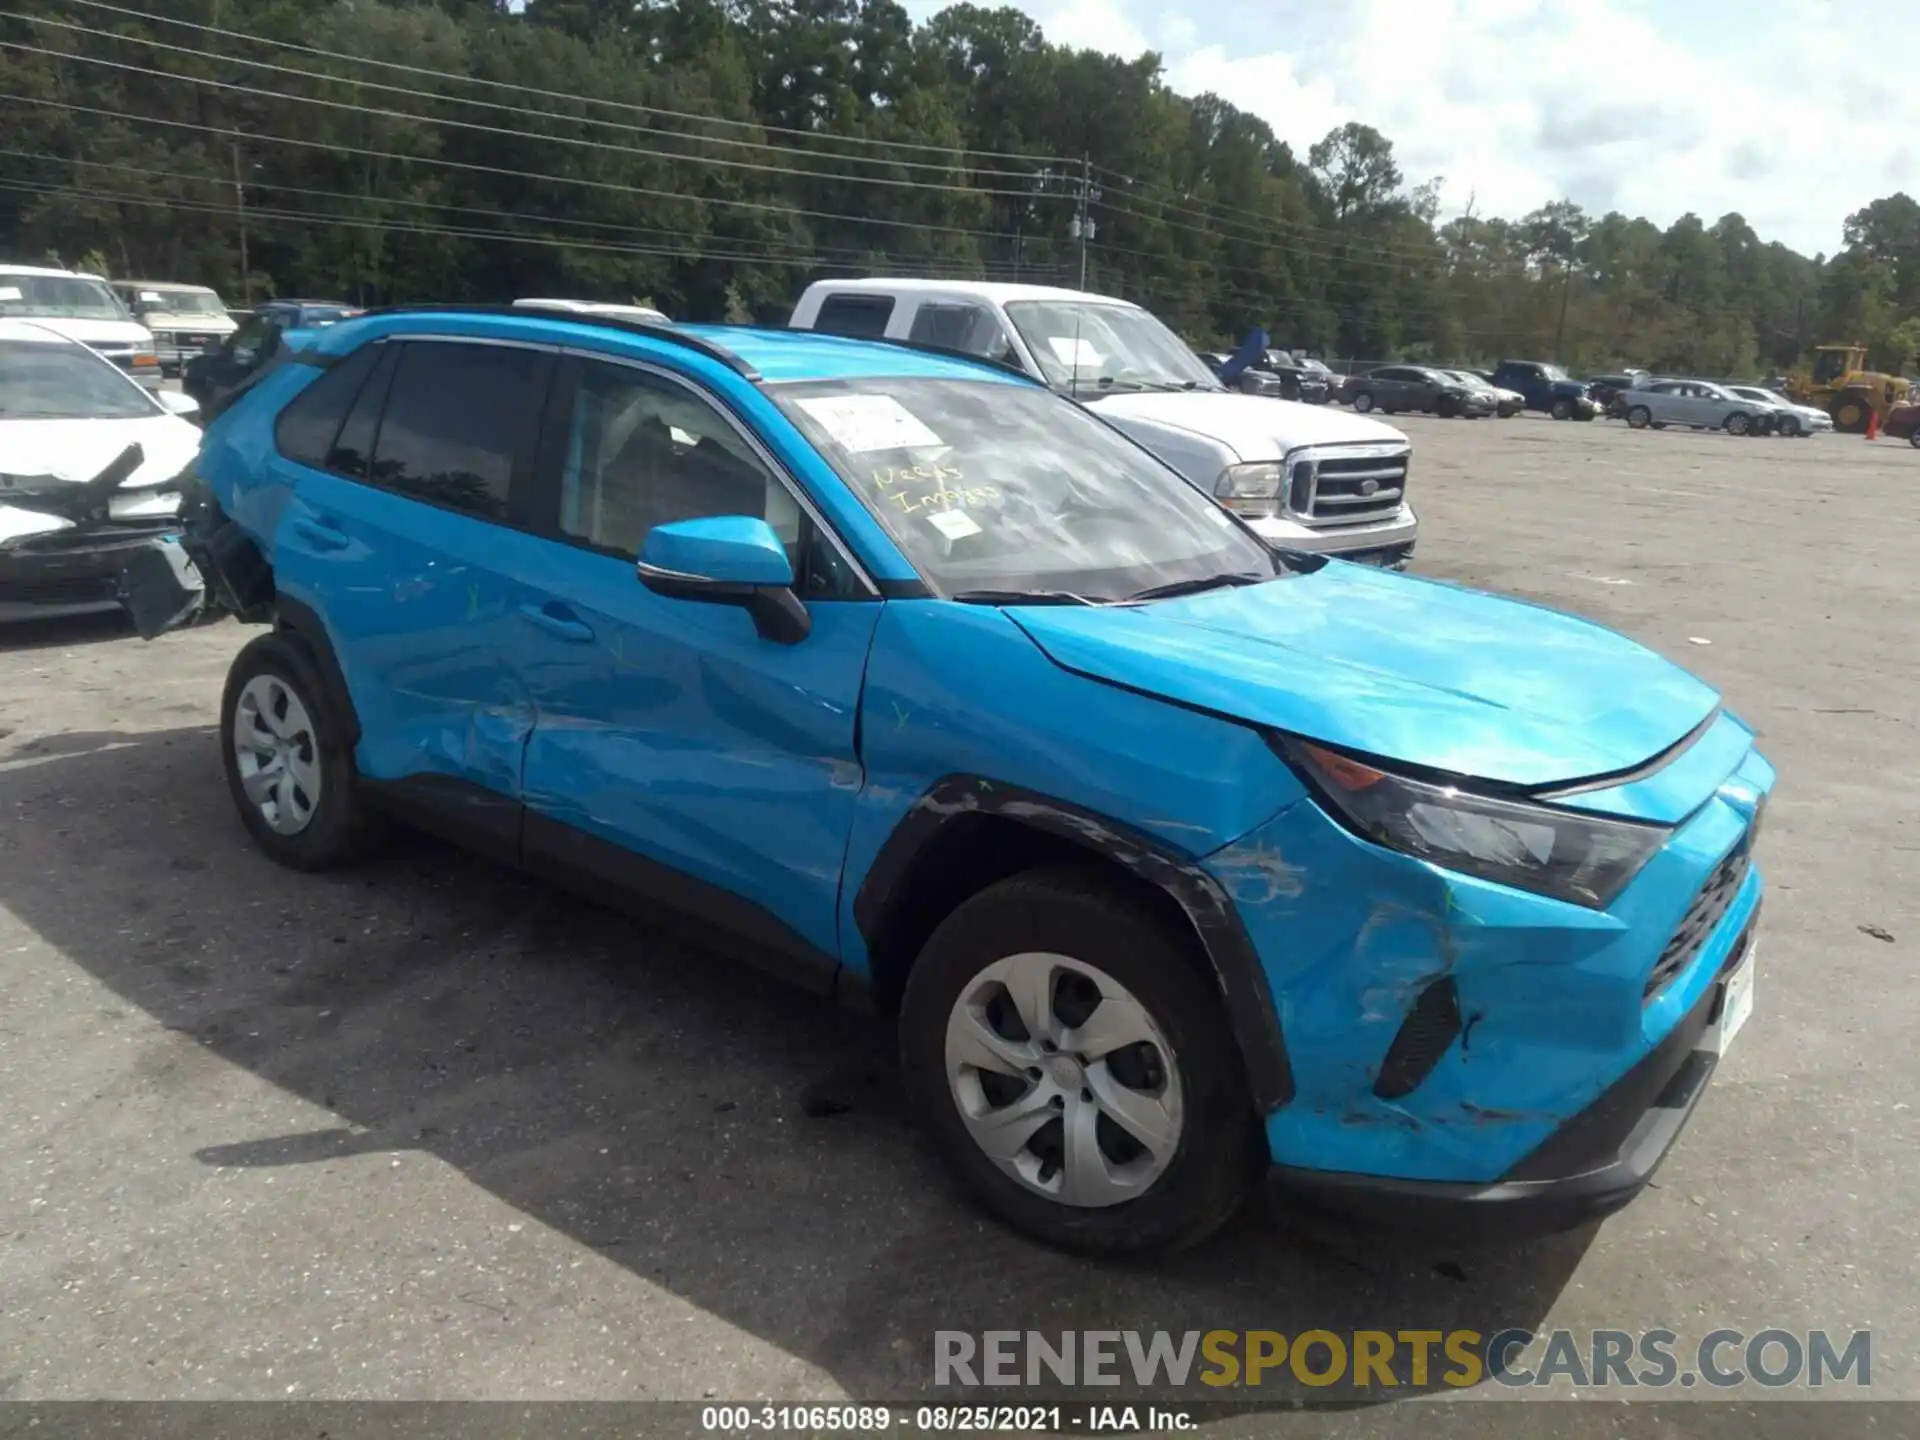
{"x":1180,"y":862}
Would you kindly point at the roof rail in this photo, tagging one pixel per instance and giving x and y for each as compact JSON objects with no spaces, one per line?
{"x":652,"y":330}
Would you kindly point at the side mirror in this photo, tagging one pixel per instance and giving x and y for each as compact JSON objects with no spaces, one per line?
{"x":727,"y":560}
{"x":174,"y":402}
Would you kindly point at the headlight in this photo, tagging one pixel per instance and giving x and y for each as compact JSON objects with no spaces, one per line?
{"x":1251,"y":490}
{"x":1585,"y":859}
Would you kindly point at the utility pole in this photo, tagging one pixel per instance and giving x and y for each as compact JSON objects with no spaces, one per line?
{"x":1560,"y":334}
{"x":1083,"y":222}
{"x":240,"y":214}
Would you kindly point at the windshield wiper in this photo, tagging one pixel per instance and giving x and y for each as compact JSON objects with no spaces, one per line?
{"x":1194,"y":587}
{"x":1022,"y":597}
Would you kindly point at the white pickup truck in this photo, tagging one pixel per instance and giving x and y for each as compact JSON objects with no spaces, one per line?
{"x":1304,"y":476}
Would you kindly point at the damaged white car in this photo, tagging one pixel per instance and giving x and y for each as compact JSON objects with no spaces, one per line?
{"x":89,"y":470}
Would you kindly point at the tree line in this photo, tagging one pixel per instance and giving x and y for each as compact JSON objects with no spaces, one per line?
{"x":714,"y":156}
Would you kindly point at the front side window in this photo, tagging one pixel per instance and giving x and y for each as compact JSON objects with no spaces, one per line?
{"x":457,"y":416}
{"x":59,"y":297}
{"x":643,"y":451}
{"x":1088,"y":348}
{"x":996,"y":487}
{"x":65,"y":382}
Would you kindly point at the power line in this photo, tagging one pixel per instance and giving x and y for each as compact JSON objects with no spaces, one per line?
{"x":474,"y":125}
{"x":905,"y":263}
{"x":679,"y":196}
{"x":627,"y":105}
{"x":528,"y":110}
{"x":800,"y":252}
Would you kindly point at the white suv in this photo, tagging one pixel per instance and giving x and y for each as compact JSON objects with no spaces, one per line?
{"x":1304,"y":476}
{"x":84,"y":308}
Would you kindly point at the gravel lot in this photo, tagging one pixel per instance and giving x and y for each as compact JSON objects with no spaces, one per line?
{"x":427,"y":1131}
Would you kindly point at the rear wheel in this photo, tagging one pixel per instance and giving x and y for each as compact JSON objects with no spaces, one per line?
{"x":1562,"y":409}
{"x":288,"y":763}
{"x":1363,"y":402}
{"x":1639,"y":417}
{"x":1738,"y":423}
{"x":1075,"y":1069}
{"x":1913,"y":437}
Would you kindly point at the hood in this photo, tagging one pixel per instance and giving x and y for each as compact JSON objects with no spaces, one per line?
{"x":95,"y":332}
{"x":1254,"y":427}
{"x":1394,"y":666}
{"x":78,"y":450}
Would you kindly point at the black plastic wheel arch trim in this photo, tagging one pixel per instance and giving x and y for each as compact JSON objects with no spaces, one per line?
{"x":1230,"y":952}
{"x":305,"y":625}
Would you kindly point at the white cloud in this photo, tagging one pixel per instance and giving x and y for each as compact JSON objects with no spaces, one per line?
{"x":1766,"y":107}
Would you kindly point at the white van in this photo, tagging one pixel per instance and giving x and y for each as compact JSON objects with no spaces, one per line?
{"x":83,"y":308}
{"x":1303,"y":476}
{"x":186,"y":320}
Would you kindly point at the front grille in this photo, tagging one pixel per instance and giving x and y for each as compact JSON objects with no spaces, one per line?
{"x":1708,"y":909}
{"x":73,"y":590}
{"x":1354,"y":489}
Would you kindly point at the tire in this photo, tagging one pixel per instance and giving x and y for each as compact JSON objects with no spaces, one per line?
{"x":1639,"y":417}
{"x":1789,"y":427}
{"x":1363,"y":401}
{"x":1738,"y":423}
{"x":1054,"y":922}
{"x":1850,"y":415}
{"x":1562,"y":409}
{"x":1447,"y":409}
{"x":277,"y":718}
{"x":1913,"y":437}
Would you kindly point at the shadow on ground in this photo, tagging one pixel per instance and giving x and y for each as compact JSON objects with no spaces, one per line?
{"x":714,"y":1132}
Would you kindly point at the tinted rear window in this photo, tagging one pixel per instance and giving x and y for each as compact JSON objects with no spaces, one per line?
{"x":861,"y":315}
{"x":305,"y":430}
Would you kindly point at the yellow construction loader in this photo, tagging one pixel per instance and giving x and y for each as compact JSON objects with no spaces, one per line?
{"x":1841,"y":385}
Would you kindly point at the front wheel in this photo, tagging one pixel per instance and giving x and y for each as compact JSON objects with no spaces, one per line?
{"x":1789,"y":426}
{"x":1363,"y":402}
{"x":1738,"y":424}
{"x":288,"y":762}
{"x":1639,"y":417}
{"x":1913,"y":437}
{"x":1562,"y":409}
{"x":1075,"y":1070}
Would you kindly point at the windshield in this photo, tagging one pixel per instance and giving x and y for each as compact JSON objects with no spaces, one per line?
{"x":61,"y":297}
{"x":1088,"y":348}
{"x":1554,"y":372}
{"x":181,"y":302}
{"x":998,"y":487}
{"x":64,"y":382}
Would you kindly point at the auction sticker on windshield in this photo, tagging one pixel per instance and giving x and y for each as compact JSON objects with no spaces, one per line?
{"x":862,"y":424}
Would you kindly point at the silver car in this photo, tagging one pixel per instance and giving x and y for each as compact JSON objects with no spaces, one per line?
{"x":1699,"y":404}
{"x":1795,"y":419}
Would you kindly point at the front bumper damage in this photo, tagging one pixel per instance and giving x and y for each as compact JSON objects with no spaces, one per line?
{"x":81,"y":535}
{"x":166,"y":570}
{"x":1477,"y":1061}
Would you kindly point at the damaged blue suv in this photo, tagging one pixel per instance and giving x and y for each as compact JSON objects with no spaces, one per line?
{"x":1180,"y":863}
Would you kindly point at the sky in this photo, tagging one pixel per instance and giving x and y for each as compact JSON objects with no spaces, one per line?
{"x":1778,"y":109}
